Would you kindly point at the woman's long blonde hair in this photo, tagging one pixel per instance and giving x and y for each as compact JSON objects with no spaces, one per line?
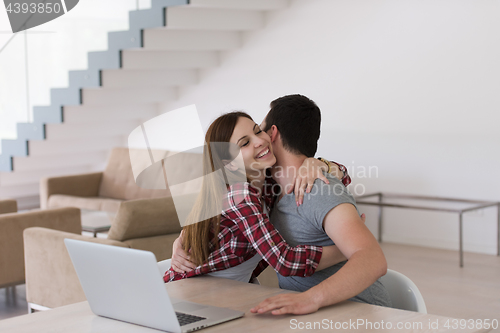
{"x":200,"y":233}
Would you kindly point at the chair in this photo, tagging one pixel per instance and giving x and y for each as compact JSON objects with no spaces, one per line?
{"x":12,"y":265}
{"x":103,"y":191}
{"x":403,"y":292}
{"x":8,"y":206}
{"x":164,"y":266}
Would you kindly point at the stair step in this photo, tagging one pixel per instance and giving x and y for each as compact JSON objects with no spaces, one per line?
{"x":109,"y":59}
{"x":242,"y":4}
{"x":14,"y":147}
{"x":85,"y":113}
{"x":98,"y":128}
{"x":30,"y":131}
{"x":183,"y":40}
{"x":29,"y":163}
{"x":193,"y":17}
{"x":32,"y":176}
{"x":120,"y":40}
{"x":144,"y":78}
{"x":47,"y":114}
{"x":65,"y":96}
{"x":59,"y":147}
{"x":5,"y":163}
{"x":145,"y":18}
{"x":137,"y":95}
{"x":159,"y":59}
{"x":84,"y":78}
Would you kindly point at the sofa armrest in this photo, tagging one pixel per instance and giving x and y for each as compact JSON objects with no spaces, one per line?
{"x":84,"y":185}
{"x":8,"y":206}
{"x":11,"y":237}
{"x":51,"y":280}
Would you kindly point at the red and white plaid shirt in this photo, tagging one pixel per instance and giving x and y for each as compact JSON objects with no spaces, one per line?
{"x":245,"y":231}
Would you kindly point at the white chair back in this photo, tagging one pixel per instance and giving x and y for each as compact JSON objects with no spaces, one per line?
{"x":403,"y":292}
{"x":164,"y":266}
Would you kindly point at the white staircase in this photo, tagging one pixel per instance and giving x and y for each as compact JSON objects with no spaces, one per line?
{"x":116,"y":94}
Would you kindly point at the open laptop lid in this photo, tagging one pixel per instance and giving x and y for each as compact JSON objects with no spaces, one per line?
{"x":128,"y":286}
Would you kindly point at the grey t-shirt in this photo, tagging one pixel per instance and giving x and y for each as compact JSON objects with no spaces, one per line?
{"x":304,"y":225}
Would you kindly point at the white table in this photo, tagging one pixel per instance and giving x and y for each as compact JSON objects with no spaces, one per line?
{"x":78,"y":318}
{"x":95,"y":221}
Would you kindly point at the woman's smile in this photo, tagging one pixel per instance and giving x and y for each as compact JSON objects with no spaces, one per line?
{"x":264,"y":153}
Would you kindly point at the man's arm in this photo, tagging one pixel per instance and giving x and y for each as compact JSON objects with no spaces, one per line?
{"x":365,"y":265}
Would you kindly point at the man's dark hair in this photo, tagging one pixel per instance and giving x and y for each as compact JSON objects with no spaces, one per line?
{"x":299,"y":120}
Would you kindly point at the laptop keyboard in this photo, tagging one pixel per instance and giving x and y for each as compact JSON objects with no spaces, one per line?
{"x":185,"y":319}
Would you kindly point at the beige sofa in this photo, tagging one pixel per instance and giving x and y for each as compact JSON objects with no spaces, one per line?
{"x":51,"y":281}
{"x":11,"y":237}
{"x":100,"y":190}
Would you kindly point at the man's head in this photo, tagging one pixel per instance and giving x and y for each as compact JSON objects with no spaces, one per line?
{"x":298,"y":120}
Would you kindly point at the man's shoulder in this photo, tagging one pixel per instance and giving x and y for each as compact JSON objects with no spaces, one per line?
{"x":325,"y":197}
{"x":334,"y":190}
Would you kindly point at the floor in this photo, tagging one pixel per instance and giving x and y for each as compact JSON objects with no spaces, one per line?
{"x":471,"y":292}
{"x":13,"y":302}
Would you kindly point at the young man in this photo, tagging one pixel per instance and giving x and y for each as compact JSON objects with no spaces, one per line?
{"x":327,"y":216}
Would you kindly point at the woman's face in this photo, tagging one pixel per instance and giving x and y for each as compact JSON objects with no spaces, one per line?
{"x":255,"y":146}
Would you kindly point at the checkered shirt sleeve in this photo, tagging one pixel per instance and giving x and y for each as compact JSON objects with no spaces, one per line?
{"x":346,"y":180}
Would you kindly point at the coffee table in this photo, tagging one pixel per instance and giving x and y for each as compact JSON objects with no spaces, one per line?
{"x":440,"y":207}
{"x":96,"y":221}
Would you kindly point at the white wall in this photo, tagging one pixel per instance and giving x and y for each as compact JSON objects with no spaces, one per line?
{"x":408,"y":87}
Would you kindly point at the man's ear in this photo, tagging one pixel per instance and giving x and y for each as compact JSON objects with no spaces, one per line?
{"x":230,"y":165}
{"x":274,"y":133}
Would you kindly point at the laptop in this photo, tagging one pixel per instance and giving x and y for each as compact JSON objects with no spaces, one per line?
{"x":127,"y":285}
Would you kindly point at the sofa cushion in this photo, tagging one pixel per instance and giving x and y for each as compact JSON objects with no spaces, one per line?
{"x":144,"y":218}
{"x":118,"y":179}
{"x":161,"y":246}
{"x":90,"y":203}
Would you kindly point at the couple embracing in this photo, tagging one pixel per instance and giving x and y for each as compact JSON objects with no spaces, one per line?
{"x":315,"y":240}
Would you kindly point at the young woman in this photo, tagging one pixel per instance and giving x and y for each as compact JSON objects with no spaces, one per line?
{"x":232,"y":244}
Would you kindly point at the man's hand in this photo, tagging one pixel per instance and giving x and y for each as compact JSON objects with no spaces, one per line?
{"x":180,"y":258}
{"x":302,"y":303}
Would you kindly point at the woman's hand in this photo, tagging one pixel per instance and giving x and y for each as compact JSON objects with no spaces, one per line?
{"x":308,"y":172}
{"x":180,"y":258}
